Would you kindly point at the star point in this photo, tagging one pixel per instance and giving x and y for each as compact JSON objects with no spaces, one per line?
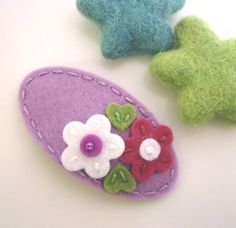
{"x":132,"y":26}
{"x":202,"y":68}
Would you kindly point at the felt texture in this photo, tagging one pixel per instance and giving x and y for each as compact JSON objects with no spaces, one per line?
{"x":202,"y":68}
{"x":121,"y":116}
{"x":96,"y":132}
{"x":133,"y":26}
{"x":119,"y":179}
{"x":52,"y":97}
{"x":142,"y":169}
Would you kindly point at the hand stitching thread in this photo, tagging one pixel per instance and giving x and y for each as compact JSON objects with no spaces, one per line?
{"x":115,"y":91}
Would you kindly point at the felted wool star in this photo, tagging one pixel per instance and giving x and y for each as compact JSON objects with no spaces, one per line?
{"x":132,"y":26}
{"x":203,"y":70}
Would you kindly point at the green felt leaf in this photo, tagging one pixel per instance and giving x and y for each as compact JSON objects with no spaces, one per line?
{"x":119,"y":179}
{"x":121,"y":116}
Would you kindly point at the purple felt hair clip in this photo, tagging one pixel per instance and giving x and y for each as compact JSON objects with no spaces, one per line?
{"x":98,"y":132}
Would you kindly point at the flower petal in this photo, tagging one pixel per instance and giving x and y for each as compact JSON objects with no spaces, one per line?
{"x":132,"y":144}
{"x":98,"y":123}
{"x":114,"y":146}
{"x":142,"y":170}
{"x":73,"y":131}
{"x":141,"y":128}
{"x":131,"y":150}
{"x":98,"y":168}
{"x":71,"y":160}
{"x":163,"y":135}
{"x":164,"y":161}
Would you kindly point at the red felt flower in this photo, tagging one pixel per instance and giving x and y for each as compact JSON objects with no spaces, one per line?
{"x":156,"y":141}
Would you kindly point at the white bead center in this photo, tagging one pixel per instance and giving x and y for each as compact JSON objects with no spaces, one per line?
{"x":150,"y":149}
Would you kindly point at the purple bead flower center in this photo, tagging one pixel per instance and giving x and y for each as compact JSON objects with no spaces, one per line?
{"x":91,"y":145}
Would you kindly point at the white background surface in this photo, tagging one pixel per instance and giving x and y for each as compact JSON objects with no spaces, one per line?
{"x":34,"y":192}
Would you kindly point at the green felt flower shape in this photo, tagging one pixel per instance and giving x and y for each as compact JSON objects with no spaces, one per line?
{"x":203,"y":70}
{"x":121,"y":116}
{"x":119,"y":179}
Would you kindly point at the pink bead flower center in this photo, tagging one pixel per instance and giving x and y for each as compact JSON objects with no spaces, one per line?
{"x":91,"y":145}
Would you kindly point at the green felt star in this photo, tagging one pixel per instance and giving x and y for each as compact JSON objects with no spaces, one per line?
{"x":203,"y":70}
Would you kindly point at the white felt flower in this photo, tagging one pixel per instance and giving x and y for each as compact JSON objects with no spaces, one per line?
{"x":91,"y":146}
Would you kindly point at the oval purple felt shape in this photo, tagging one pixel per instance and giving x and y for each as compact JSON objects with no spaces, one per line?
{"x":52,"y":97}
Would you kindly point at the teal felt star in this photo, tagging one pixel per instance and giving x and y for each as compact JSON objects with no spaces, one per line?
{"x":132,"y":26}
{"x":203,"y":69}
